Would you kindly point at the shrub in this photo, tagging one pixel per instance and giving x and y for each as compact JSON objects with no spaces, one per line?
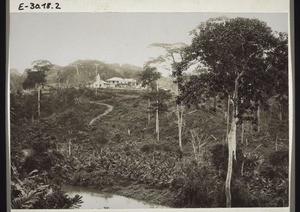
{"x":150,"y":147}
{"x":279,"y":158}
{"x":264,"y":184}
{"x":118,"y":138}
{"x":58,"y":200}
{"x":32,"y":192}
{"x":146,"y":148}
{"x":197,"y":186}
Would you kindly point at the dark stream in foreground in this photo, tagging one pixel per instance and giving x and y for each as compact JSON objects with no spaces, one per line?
{"x":98,"y":200}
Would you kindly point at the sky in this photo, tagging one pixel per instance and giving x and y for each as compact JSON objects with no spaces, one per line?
{"x":120,"y":38}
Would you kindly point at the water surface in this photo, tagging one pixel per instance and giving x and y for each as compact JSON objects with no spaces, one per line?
{"x":93,"y":199}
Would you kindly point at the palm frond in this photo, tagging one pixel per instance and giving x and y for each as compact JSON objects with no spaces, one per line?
{"x":26,"y":201}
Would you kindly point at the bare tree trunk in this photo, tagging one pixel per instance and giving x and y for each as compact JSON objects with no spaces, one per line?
{"x":195,"y":153}
{"x":231,"y":145}
{"x":215,"y":103}
{"x":231,"y":153}
{"x":242,"y":136}
{"x":193,"y":140}
{"x":70,"y":143}
{"x":157,"y":125}
{"x":179,"y":122}
{"x":39,"y":103}
{"x":276,"y":143}
{"x":258,"y":117}
{"x":280,"y":113}
{"x":242,"y":168}
{"x":149,"y":115}
{"x":227,"y":117}
{"x":157,"y":118}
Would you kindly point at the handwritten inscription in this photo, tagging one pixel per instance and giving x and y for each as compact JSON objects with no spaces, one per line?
{"x":44,"y":6}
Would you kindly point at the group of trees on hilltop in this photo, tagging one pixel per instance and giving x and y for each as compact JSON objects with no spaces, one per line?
{"x":83,"y":72}
{"x":80,"y":73}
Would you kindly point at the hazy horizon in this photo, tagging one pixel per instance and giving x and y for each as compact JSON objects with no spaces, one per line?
{"x":123,"y":38}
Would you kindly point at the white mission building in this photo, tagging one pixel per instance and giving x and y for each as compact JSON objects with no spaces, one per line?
{"x":114,"y":82}
{"x":117,"y":82}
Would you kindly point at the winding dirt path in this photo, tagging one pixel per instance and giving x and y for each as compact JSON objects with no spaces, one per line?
{"x":108,"y":110}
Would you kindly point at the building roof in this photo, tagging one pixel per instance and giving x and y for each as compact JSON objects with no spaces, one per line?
{"x":101,"y":81}
{"x":121,"y":80}
{"x":129,"y":80}
{"x":115,"y":79}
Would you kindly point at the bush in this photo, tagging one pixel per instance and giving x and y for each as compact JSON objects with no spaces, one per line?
{"x":198,"y":186}
{"x":146,"y":148}
{"x":58,"y":200}
{"x":118,"y":138}
{"x":264,"y":184}
{"x":31,"y":192}
{"x":103,"y":95}
{"x":279,"y":158}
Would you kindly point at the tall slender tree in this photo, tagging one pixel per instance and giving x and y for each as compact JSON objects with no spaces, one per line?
{"x":148,"y":78}
{"x":36,"y":78}
{"x":160,"y":99}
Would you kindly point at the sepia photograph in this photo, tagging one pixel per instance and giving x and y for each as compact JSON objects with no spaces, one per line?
{"x":139,"y":110}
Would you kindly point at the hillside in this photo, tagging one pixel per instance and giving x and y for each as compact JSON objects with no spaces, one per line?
{"x":119,"y":152}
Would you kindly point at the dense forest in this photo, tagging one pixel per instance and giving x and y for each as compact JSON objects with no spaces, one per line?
{"x":216,"y":135}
